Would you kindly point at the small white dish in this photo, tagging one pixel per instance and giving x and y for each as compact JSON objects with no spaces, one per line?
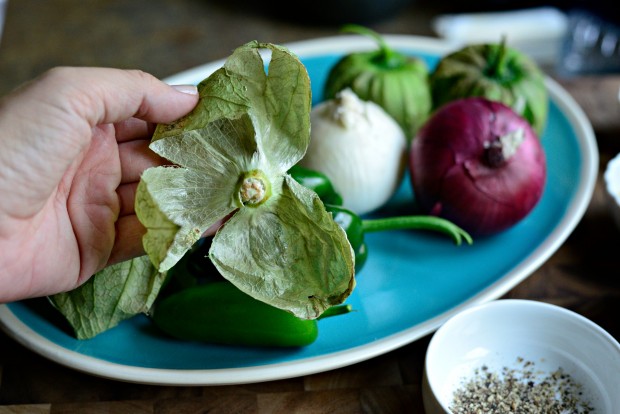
{"x":525,"y":336}
{"x":612,"y":187}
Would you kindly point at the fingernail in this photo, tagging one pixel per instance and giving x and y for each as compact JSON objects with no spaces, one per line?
{"x":188,"y":89}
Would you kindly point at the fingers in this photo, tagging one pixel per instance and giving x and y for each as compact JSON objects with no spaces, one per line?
{"x":69,"y":103}
{"x":128,"y":243}
{"x":134,"y":128}
{"x":105,"y":95}
{"x":127,"y":196}
{"x":214,"y":228}
{"x":135,"y":157}
{"x":75,"y":100}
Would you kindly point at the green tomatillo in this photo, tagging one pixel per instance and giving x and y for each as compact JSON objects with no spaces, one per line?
{"x":494,"y":71}
{"x":395,"y":81}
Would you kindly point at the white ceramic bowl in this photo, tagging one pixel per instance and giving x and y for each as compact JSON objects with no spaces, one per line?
{"x":612,"y":187}
{"x":511,"y":332}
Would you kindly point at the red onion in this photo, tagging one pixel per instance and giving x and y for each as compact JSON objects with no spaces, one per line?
{"x":478,"y":164}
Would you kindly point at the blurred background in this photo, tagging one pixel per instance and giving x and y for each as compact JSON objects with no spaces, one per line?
{"x":576,"y":42}
{"x":164,"y":37}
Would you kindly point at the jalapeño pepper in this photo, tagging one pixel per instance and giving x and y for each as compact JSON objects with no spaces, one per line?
{"x":352,"y":225}
{"x":318,"y":182}
{"x":219,"y":313}
{"x":356,"y":228}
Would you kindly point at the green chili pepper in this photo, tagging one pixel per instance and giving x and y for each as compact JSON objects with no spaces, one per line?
{"x":194,"y":268}
{"x":318,"y":182}
{"x":220,"y":313}
{"x":352,"y":225}
{"x":321,"y":184}
{"x":355,"y":227}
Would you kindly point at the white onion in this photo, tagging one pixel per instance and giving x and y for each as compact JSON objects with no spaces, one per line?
{"x":359,"y":147}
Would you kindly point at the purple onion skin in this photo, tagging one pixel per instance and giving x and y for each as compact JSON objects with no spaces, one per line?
{"x":452,"y":177}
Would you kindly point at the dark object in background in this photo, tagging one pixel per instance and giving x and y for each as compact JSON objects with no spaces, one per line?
{"x":592,"y":46}
{"x":602,"y":8}
{"x":335,"y":12}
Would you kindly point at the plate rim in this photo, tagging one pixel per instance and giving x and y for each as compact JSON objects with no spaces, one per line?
{"x":577,"y":119}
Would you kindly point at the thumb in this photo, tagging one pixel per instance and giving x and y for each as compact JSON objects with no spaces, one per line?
{"x":67,"y":102}
{"x":48,"y":121}
{"x":104,"y":95}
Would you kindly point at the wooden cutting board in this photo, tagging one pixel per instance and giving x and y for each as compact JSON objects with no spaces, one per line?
{"x":599,"y":96}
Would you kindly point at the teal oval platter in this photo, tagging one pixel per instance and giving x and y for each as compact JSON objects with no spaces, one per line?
{"x":411,"y":284}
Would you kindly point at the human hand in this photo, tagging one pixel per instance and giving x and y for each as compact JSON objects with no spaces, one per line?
{"x":73,"y":144}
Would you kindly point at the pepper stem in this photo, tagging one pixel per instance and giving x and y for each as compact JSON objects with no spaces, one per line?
{"x":336,"y":310}
{"x":421,"y":222}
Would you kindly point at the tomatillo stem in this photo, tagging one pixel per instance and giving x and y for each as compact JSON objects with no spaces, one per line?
{"x":388,"y":56}
{"x":418,"y":222}
{"x":498,"y":65}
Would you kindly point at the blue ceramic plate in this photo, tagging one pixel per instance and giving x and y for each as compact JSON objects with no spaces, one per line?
{"x":410,"y":285}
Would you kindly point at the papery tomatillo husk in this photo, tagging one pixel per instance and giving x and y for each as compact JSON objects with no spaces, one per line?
{"x":497,"y":72}
{"x":394,"y":81}
{"x":478,"y":164}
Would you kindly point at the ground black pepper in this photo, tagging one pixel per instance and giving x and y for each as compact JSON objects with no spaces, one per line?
{"x":520,"y":390}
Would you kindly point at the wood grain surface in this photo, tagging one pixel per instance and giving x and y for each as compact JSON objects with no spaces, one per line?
{"x":167,"y":36}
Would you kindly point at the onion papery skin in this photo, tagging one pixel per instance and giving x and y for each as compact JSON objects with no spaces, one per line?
{"x":452,"y":179}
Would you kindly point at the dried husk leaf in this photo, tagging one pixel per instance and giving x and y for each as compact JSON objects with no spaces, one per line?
{"x":286,"y":251}
{"x":297,"y":253}
{"x":114,"y":294}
